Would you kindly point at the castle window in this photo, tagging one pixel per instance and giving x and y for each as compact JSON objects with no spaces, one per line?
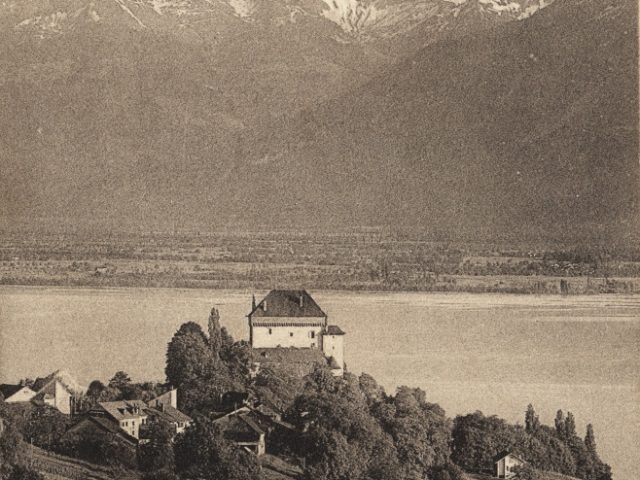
{"x":270,"y":331}
{"x":291,"y":334}
{"x":312,"y":334}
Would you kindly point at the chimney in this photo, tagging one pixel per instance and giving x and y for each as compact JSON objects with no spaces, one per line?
{"x":301,"y":301}
{"x":264,"y":305}
{"x":253,"y":302}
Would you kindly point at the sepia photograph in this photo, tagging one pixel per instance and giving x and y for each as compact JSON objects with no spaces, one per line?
{"x":319,"y":240}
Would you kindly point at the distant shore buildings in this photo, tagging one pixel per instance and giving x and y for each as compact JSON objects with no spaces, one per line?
{"x":291,"y":319}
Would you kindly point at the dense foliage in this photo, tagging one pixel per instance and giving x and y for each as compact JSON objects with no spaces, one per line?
{"x":477,"y":439}
{"x":13,"y":451}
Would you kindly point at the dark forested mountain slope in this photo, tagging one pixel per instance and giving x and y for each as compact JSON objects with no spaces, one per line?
{"x":532,"y":127}
{"x":200,"y":114}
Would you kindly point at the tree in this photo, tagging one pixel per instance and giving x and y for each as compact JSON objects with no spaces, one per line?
{"x":333,"y":457}
{"x":157,"y":453}
{"x":560,"y":425}
{"x":120,"y":380}
{"x":95,"y":389}
{"x":188,"y":355}
{"x":201,"y":453}
{"x":526,"y":472}
{"x":215,"y":335}
{"x":569,"y":426}
{"x":590,"y":441}
{"x":531,"y":420}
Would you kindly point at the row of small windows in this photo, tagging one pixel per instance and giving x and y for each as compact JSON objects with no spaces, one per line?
{"x":143,"y":421}
{"x":312,"y":334}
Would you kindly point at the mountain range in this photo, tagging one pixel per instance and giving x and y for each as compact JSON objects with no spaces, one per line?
{"x":457,"y":116}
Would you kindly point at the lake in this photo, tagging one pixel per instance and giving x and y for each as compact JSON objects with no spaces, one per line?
{"x":494,"y":353}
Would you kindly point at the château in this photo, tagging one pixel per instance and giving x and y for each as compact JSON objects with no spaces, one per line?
{"x":292,"y":319}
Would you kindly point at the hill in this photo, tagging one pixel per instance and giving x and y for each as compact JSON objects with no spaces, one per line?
{"x":531,"y":127}
{"x":461,"y":117}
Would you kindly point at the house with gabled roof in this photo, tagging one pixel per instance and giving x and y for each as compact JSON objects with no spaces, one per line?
{"x":238,"y":427}
{"x":59,"y":390}
{"x":505,"y":464}
{"x":96,"y":425}
{"x":16,"y":393}
{"x":292,"y":319}
{"x":131,"y":415}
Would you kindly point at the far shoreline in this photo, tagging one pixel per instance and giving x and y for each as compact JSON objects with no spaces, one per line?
{"x":484,"y":286}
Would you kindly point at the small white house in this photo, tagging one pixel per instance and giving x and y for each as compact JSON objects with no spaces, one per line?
{"x":59,"y":390}
{"x":506,"y":463}
{"x":16,"y":393}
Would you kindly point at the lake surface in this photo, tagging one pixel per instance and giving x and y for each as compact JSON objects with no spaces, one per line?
{"x":494,"y":353}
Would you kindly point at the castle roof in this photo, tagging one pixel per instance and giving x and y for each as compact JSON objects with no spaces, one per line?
{"x":287,"y":303}
{"x":334,"y":330}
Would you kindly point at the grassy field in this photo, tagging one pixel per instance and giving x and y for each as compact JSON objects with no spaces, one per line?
{"x":59,"y":467}
{"x":363,"y":261}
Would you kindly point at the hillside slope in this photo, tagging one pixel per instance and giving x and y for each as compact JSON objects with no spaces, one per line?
{"x":276,"y":119}
{"x":531,"y":127}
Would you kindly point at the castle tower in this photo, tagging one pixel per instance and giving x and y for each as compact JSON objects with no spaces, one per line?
{"x":333,"y":348}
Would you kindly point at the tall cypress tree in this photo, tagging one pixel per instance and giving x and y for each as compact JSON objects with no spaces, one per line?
{"x":590,"y":441}
{"x":531,"y":420}
{"x":215,"y":336}
{"x":570,"y":426}
{"x":560,"y":427}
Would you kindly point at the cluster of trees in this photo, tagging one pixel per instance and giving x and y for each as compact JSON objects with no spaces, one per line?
{"x":14,"y":459}
{"x":352,"y":429}
{"x":478,"y":438}
{"x":203,"y":368}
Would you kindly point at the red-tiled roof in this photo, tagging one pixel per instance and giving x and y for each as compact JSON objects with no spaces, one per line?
{"x":287,"y":303}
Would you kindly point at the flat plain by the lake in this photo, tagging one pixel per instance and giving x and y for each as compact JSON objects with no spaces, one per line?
{"x":490,"y":352}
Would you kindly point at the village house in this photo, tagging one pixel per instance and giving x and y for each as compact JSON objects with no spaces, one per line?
{"x":506,"y":463}
{"x":131,"y":415}
{"x":16,"y":393}
{"x":59,"y":390}
{"x":292,"y":319}
{"x":251,"y":427}
{"x":238,"y":427}
{"x":96,"y":426}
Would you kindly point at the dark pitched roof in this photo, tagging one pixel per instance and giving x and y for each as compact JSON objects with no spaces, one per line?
{"x":334,"y":330}
{"x":105,"y":425}
{"x":287,"y":303}
{"x":238,"y":427}
{"x":7,"y":389}
{"x":168,"y":413}
{"x":125,"y":409}
{"x":505,"y":453}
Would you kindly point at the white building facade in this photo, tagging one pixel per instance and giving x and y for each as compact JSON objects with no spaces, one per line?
{"x":292,"y":319}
